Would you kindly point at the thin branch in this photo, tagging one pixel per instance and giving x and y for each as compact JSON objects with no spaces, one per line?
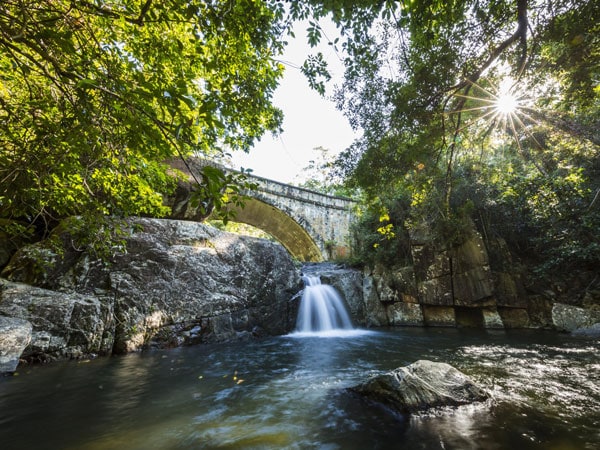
{"x":139,"y":20}
{"x":519,"y":35}
{"x":143,"y":12}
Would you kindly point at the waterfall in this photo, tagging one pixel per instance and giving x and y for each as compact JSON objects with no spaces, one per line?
{"x":322,"y":309}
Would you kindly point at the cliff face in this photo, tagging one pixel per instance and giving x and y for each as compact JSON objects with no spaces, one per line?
{"x":475,"y":284}
{"x":178,"y":283}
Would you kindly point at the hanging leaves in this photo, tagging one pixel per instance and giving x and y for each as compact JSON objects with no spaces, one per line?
{"x":94,"y":96}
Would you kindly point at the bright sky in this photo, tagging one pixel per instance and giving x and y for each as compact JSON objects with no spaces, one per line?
{"x":310,"y":120}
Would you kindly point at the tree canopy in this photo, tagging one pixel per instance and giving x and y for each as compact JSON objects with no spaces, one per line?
{"x":95,"y":96}
{"x":486,"y":110}
{"x":480,"y":109}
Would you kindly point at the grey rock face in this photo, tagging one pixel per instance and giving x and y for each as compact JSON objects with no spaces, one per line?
{"x":64,"y":324}
{"x":15,"y":335}
{"x":420,"y":386}
{"x":177,"y":283}
{"x":474,"y":284}
{"x":572,"y":318}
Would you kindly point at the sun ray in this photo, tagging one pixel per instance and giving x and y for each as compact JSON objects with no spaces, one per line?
{"x":503,"y":106}
{"x":468,"y":124}
{"x":481,"y":88}
{"x":524,"y":127}
{"x":477,"y":108}
{"x":479,"y":99}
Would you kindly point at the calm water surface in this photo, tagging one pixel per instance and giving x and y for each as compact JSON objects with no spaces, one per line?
{"x":287,"y":392}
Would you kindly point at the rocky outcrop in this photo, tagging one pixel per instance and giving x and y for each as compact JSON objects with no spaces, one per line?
{"x":575,"y":319}
{"x":64,"y":324}
{"x":421,"y":386}
{"x":177,"y":283}
{"x":474,"y":284}
{"x":15,"y":335}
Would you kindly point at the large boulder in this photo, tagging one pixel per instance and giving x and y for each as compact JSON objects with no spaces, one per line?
{"x":15,"y":335}
{"x":421,"y":386}
{"x":177,"y":282}
{"x":573,"y":318}
{"x":61,"y":324}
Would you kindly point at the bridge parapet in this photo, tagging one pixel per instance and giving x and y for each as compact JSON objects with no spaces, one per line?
{"x":302,"y":194}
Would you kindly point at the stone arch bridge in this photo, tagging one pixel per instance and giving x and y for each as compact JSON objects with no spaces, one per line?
{"x":310,"y":225}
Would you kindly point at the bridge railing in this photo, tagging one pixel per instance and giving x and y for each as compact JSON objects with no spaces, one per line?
{"x":287,"y":190}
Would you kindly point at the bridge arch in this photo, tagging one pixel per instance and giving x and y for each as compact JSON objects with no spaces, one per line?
{"x":312,"y":226}
{"x":293,"y":236}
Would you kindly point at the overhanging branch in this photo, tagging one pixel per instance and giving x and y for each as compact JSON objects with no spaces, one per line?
{"x":520,"y":35}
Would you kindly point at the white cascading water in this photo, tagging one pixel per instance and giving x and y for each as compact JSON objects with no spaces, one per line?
{"x":322,"y":310}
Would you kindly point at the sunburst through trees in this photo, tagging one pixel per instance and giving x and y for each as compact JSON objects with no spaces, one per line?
{"x":502,"y":108}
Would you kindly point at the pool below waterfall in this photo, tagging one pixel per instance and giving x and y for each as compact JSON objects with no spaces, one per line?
{"x":288,"y":393}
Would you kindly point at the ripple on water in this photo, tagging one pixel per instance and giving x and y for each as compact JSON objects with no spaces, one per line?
{"x":546,"y":386}
{"x":542,"y":376}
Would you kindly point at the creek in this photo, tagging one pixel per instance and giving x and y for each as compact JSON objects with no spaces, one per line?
{"x":288,"y":392}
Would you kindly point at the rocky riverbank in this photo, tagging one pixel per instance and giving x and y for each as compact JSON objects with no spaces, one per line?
{"x":476,"y":284}
{"x":181,"y":283}
{"x":178,"y":283}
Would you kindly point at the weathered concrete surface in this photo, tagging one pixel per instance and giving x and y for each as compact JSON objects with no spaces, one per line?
{"x":405,"y":314}
{"x":179,"y":282}
{"x":310,"y":225}
{"x":421,"y":386}
{"x":15,"y":335}
{"x":491,"y":318}
{"x":439,"y":316}
{"x":514,"y":317}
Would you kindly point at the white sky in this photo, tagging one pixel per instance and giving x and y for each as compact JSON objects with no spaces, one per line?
{"x":310,"y":120}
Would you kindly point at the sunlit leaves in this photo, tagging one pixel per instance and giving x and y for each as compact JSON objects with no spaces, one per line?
{"x":315,"y":69}
{"x":422,"y":83}
{"x":94,"y":96}
{"x":220,"y":189}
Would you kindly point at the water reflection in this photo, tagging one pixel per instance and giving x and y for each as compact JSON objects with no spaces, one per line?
{"x":289,"y":393}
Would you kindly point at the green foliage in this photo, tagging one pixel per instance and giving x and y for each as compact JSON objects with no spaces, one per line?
{"x":315,"y":68}
{"x":422,"y":81}
{"x":381,"y":234}
{"x":94,"y":96}
{"x":219,"y":189}
{"x":549,"y":217}
{"x":320,"y":176}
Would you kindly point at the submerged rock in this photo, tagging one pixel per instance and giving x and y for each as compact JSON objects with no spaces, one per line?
{"x":592,"y":332}
{"x":421,"y":386}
